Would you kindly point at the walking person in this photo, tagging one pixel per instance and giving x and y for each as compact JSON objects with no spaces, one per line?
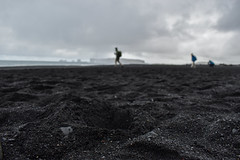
{"x":118,"y":55}
{"x":194,"y":58}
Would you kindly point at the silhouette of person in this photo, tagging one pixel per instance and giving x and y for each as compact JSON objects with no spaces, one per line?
{"x":194,"y":58}
{"x":118,"y":55}
{"x":211,"y":63}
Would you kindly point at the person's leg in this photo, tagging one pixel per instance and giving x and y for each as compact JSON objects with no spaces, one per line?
{"x":119,"y":62}
{"x":192,"y":64}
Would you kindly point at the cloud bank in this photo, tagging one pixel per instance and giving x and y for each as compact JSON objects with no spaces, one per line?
{"x":157,"y":31}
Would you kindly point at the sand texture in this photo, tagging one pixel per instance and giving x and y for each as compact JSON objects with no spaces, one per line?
{"x":133,"y":112}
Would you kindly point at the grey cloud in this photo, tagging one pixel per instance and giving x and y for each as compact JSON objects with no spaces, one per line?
{"x":230,"y":21}
{"x":82,"y":22}
{"x":83,"y":28}
{"x":85,"y":24}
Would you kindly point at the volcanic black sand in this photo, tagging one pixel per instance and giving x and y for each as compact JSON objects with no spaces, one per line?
{"x":133,"y":112}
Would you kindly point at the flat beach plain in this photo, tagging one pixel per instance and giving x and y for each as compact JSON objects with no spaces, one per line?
{"x":131,"y":112}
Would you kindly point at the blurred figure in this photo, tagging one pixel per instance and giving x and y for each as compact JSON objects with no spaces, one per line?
{"x":118,"y":55}
{"x":211,"y":63}
{"x":194,"y":58}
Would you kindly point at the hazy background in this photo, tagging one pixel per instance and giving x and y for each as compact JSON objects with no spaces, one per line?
{"x":157,"y":31}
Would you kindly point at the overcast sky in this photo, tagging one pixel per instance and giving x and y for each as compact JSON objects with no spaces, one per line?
{"x":157,"y":31}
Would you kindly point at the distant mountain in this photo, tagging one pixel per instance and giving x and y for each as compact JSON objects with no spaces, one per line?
{"x":112,"y":61}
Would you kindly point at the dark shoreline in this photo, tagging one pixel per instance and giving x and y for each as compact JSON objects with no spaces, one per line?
{"x":130,"y":112}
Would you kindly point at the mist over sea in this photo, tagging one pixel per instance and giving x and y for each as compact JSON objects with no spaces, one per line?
{"x":93,"y":61}
{"x":16,"y":63}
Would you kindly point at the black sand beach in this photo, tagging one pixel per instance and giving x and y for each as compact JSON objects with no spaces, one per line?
{"x":107,"y":112}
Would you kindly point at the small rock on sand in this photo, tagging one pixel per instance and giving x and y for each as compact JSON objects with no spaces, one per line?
{"x":66,"y":130}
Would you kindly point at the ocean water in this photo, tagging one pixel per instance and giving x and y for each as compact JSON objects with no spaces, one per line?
{"x":15,"y":63}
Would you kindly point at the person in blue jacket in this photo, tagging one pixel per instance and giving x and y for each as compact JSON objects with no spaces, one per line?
{"x":194,"y":58}
{"x":211,"y":63}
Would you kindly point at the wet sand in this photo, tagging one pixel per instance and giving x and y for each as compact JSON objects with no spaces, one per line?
{"x":107,"y":112}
